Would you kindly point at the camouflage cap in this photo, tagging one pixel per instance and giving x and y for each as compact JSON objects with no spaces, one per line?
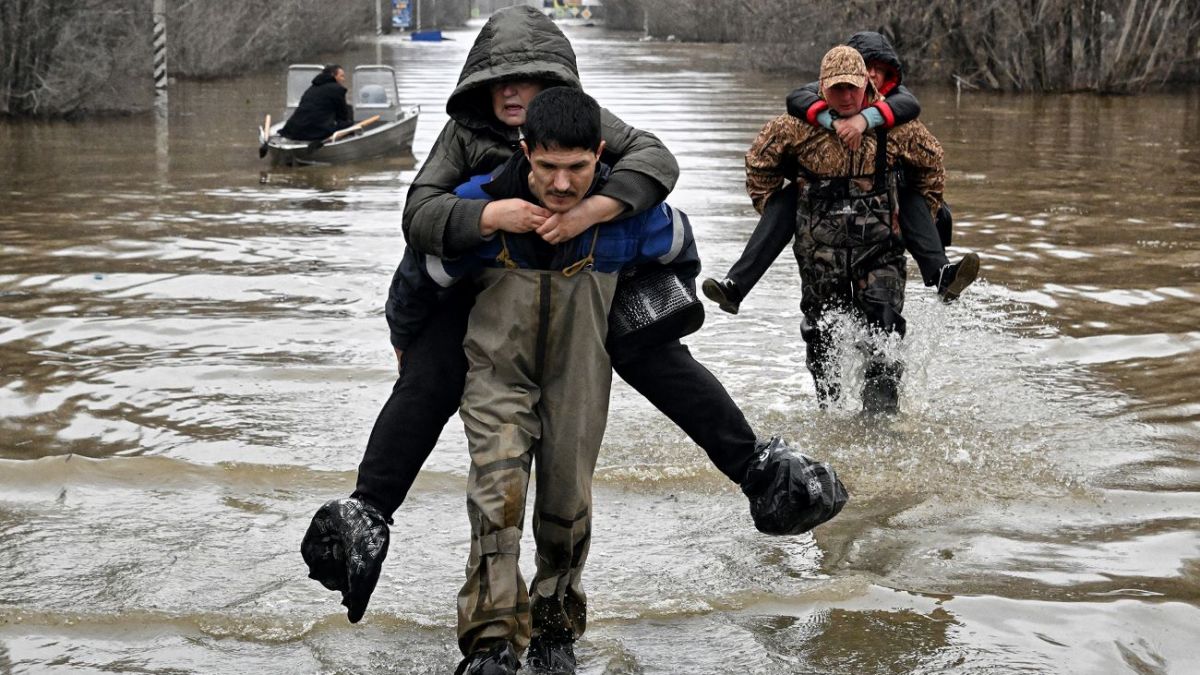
{"x":843,"y":65}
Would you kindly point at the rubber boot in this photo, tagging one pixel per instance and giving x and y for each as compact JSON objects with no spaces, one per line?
{"x":881,"y":390}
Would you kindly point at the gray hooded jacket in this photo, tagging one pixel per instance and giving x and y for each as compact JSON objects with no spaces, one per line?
{"x":516,"y":43}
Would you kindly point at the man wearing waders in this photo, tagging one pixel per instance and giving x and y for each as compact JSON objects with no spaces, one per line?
{"x":847,"y":239}
{"x":924,"y":237}
{"x":538,"y":385}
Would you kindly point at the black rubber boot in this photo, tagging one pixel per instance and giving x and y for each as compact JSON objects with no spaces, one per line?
{"x":498,"y":659}
{"x":881,"y":390}
{"x":550,"y":657}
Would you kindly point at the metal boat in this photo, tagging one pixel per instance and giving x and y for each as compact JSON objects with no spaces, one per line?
{"x":374,"y":93}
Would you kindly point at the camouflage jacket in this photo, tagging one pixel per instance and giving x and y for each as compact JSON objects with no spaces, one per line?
{"x":786,"y":144}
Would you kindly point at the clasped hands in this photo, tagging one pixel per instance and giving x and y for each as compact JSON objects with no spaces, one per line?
{"x":850,"y":130}
{"x":518,"y":216}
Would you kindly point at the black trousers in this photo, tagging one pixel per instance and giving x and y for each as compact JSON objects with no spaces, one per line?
{"x":430,"y":386}
{"x":777,"y":226}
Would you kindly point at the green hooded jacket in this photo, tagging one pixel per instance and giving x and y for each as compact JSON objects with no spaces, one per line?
{"x":519,"y":42}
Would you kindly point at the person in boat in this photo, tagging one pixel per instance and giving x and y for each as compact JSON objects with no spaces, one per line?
{"x":847,"y":240}
{"x":924,"y":237}
{"x":518,"y":53}
{"x":322,"y":109}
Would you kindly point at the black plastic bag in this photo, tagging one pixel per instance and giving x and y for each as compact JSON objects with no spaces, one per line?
{"x":344,"y":548}
{"x":652,"y":305}
{"x":789,"y":492}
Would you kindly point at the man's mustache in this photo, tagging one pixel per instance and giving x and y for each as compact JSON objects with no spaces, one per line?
{"x":560,"y":193}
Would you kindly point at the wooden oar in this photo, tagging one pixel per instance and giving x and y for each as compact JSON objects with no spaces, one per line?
{"x":317,"y":145}
{"x":264,"y":135}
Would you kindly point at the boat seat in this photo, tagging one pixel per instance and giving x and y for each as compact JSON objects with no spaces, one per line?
{"x":373,"y":94}
{"x":373,"y":100}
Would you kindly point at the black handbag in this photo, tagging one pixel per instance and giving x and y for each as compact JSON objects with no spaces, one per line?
{"x":652,"y":305}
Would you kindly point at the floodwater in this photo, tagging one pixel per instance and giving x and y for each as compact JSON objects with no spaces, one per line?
{"x":192,"y":353}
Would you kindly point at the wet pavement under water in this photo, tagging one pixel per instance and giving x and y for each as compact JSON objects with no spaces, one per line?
{"x":192,"y":352}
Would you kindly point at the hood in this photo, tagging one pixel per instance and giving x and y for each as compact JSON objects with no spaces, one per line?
{"x":322,"y":78}
{"x":875,"y":47}
{"x":518,"y":42}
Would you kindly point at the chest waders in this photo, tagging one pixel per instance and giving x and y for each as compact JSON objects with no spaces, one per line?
{"x":536,"y":396}
{"x":851,"y":258}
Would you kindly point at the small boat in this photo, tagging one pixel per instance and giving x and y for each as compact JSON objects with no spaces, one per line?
{"x":382,"y":127}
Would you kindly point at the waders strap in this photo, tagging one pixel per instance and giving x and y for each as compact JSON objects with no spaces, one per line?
{"x":506,"y":541}
{"x":880,"y":178}
{"x":574,"y":268}
{"x":503,"y":257}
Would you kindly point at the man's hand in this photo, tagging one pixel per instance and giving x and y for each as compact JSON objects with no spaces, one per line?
{"x":399,"y":359}
{"x":511,"y":215}
{"x":561,"y":227}
{"x":851,"y":130}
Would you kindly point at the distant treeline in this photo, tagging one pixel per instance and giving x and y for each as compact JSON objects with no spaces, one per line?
{"x":64,"y":57}
{"x":1017,"y":45}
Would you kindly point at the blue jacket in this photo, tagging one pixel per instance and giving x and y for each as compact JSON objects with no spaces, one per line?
{"x":659,"y":235}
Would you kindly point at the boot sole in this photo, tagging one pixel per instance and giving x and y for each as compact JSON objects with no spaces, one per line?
{"x":968,"y":270}
{"x":713,"y":292}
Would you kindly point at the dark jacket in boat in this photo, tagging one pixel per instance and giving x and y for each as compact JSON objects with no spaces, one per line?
{"x":660,"y":235}
{"x":322,"y":111}
{"x":896,"y":105}
{"x":516,"y":43}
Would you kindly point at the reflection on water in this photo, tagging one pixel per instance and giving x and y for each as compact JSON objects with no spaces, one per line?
{"x":192,"y":352}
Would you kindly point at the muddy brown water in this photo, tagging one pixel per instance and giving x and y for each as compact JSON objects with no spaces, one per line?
{"x":192,"y":353}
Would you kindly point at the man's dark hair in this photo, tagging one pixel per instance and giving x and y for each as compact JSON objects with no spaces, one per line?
{"x":331,"y":69}
{"x":562,"y":118}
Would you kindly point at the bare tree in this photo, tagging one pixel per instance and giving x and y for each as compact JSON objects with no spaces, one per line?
{"x":73,"y":56}
{"x":1037,"y":45}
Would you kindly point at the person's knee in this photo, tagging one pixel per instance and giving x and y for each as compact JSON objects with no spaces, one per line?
{"x":882,"y":311}
{"x":883,"y":300}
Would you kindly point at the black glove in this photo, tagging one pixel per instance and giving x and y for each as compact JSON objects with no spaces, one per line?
{"x":790,"y":493}
{"x":344,"y":548}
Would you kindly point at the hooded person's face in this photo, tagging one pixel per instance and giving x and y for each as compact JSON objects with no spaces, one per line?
{"x":510,"y":99}
{"x":559,"y":177}
{"x":882,"y":75}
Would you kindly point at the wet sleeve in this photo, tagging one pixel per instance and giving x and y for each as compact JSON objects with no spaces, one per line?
{"x":900,"y":107}
{"x":435,"y":220}
{"x":643,"y":170}
{"x":924,"y":164}
{"x":768,"y":158}
{"x":806,"y":103}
